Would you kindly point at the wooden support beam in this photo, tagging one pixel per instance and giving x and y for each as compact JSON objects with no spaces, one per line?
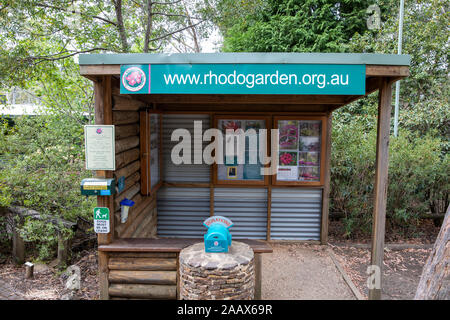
{"x":381,"y":183}
{"x":269,"y":211}
{"x":326,"y":187}
{"x":103,"y":283}
{"x":104,"y":115}
{"x":387,"y":71}
{"x":282,"y":99}
{"x":258,"y":276}
{"x":371,"y":70}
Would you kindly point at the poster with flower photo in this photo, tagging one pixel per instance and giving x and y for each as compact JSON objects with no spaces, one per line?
{"x":299,"y":150}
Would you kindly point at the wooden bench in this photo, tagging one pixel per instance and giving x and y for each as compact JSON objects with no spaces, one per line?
{"x":144,"y":268}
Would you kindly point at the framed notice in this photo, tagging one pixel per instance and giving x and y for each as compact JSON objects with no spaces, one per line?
{"x":300,"y":150}
{"x":245,"y":131}
{"x":99,"y":143}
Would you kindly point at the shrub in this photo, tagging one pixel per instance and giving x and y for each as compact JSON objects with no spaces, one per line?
{"x":418,"y":175}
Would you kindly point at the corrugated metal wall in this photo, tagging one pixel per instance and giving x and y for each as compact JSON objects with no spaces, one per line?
{"x":246,"y":207}
{"x":181,"y":212}
{"x":184,"y":172}
{"x":296,"y":214}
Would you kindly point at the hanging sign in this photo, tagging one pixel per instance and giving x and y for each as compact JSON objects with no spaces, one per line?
{"x":101,"y":220}
{"x":99,"y":147}
{"x":322,"y":79}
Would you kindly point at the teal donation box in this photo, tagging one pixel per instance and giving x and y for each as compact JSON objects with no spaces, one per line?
{"x":218,"y":237}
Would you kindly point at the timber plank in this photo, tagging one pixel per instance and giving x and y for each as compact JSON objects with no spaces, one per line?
{"x":170,"y":245}
{"x":143,"y":277}
{"x":126,"y":104}
{"x":145,"y":291}
{"x":143,"y":264}
{"x":125,"y":117}
{"x":126,"y":144}
{"x":126,"y":131}
{"x":128,"y":170}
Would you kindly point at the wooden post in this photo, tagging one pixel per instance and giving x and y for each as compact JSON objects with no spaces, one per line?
{"x":18,"y":250}
{"x":103,"y":282}
{"x":381,"y":183}
{"x":269,"y":211}
{"x":258,"y":276}
{"x":326,"y":188}
{"x":64,"y":251}
{"x":103,"y":115}
{"x":29,"y":270}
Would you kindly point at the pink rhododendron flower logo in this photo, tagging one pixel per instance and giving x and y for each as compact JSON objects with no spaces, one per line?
{"x":133,"y":79}
{"x":99,"y":130}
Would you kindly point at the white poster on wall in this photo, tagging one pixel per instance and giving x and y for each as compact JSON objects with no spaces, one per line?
{"x":286,"y":173}
{"x":99,"y":143}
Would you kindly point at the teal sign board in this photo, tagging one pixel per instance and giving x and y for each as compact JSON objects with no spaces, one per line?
{"x":324,"y":79}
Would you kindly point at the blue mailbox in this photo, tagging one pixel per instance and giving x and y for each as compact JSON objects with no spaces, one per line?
{"x":218,"y":237}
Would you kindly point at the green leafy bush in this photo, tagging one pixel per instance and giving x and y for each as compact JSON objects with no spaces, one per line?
{"x":42,"y":170}
{"x":418,"y":175}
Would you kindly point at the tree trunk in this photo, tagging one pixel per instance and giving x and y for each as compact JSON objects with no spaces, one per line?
{"x":435,"y":280}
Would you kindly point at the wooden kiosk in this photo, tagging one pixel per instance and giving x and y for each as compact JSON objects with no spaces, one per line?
{"x":148,"y":96}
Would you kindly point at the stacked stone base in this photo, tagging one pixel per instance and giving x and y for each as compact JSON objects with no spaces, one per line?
{"x":217,"y":276}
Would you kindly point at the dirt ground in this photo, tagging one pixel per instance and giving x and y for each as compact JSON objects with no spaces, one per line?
{"x":401,"y":269}
{"x":302,"y":272}
{"x":48,"y":283}
{"x":293,"y":271}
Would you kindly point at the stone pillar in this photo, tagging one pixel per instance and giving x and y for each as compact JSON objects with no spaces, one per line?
{"x":217,"y":276}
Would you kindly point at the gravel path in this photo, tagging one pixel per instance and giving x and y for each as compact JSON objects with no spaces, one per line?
{"x":302,"y":272}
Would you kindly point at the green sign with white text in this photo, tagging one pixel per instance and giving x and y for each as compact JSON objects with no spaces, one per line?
{"x":321,"y":79}
{"x":101,"y":220}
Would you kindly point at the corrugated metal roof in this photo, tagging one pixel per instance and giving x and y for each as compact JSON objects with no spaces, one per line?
{"x":245,"y":57}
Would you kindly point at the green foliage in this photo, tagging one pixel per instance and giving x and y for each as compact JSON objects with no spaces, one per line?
{"x":43,"y":157}
{"x":418,"y":175}
{"x":296,"y":25}
{"x":424,"y":96}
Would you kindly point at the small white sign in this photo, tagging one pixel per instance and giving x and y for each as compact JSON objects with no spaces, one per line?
{"x":287,"y":173}
{"x":100,"y":147}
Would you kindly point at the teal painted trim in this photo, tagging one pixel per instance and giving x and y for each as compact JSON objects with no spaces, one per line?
{"x":245,"y":58}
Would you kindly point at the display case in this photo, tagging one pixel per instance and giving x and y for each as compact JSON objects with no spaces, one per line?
{"x":241,"y":165}
{"x":300,"y":150}
{"x":150,"y":151}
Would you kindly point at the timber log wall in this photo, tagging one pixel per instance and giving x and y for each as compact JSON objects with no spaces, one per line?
{"x":142,"y":217}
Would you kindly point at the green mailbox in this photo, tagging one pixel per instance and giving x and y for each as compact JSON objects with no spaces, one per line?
{"x":98,"y":187}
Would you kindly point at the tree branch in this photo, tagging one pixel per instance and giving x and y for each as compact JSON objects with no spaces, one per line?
{"x":166,"y":3}
{"x":176,"y":31}
{"x":54,"y":57}
{"x":43,"y":5}
{"x":175,"y":15}
{"x":120,"y":25}
{"x":148,"y":29}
